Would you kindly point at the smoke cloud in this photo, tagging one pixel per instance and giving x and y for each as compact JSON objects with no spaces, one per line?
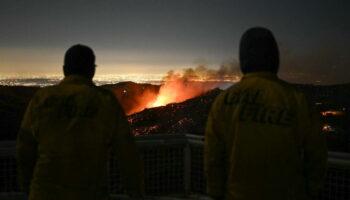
{"x":228,"y":72}
{"x":178,"y":87}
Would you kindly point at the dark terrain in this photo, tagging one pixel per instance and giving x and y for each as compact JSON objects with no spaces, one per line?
{"x":176,"y":118}
{"x":179,"y":118}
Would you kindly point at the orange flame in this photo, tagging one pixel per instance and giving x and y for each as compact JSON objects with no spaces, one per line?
{"x":177,"y":89}
{"x":161,"y":100}
{"x":172,"y":92}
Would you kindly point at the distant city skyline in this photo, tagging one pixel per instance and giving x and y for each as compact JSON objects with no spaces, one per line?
{"x":154,"y":36}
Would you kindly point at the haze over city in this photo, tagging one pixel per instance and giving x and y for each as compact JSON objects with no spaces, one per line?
{"x":151,"y":37}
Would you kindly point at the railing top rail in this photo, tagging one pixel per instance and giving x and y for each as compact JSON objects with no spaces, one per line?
{"x":340,"y":155}
{"x":334,"y":158}
{"x":160,"y":137}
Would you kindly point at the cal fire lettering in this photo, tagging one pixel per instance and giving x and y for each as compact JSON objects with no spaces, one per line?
{"x":241,"y":97}
{"x":68,"y":108}
{"x":253,"y":111}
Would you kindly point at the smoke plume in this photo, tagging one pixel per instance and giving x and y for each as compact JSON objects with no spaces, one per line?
{"x":178,"y":87}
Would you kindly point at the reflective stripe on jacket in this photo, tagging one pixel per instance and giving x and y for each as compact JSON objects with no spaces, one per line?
{"x":263,"y":140}
{"x":65,"y":140}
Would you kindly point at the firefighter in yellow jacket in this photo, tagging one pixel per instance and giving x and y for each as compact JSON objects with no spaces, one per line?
{"x":67,"y":133}
{"x":263,"y":138}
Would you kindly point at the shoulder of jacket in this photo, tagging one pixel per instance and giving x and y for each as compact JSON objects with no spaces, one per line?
{"x":233,"y":88}
{"x":107,"y":94}
{"x":288,"y":85}
{"x":44,"y":91}
{"x":103,"y":91}
{"x":297,"y":90}
{"x":221,"y":96}
{"x":302,"y":97}
{"x":293,"y":87}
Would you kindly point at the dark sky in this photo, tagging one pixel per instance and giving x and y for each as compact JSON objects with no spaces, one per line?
{"x":154,"y":36}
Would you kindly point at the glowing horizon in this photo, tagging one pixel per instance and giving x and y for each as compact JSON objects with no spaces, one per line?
{"x":153,"y":37}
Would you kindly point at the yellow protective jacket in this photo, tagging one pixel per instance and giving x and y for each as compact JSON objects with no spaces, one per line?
{"x":263,"y":140}
{"x":65,"y":140}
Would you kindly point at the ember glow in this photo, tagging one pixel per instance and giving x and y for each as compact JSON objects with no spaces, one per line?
{"x":178,"y":89}
{"x":332,"y":113}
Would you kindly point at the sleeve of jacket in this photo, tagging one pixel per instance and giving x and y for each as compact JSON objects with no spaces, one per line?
{"x":315,"y":150}
{"x":26,"y":148}
{"x":127,"y":155}
{"x":214,"y":155}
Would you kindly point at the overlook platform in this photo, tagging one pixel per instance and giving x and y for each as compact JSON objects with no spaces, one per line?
{"x":174,"y":170}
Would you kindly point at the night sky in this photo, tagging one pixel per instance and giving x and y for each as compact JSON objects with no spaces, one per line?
{"x":155,"y":36}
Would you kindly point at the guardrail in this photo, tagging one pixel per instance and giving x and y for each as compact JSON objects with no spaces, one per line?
{"x":174,"y":167}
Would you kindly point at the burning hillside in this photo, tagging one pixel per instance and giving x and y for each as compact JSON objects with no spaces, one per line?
{"x":134,"y":97}
{"x":185,"y":117}
{"x":176,"y":87}
{"x":177,"y":118}
{"x":180,"y":105}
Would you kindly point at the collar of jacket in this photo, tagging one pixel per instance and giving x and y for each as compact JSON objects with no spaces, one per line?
{"x":76,"y":79}
{"x":267,"y":75}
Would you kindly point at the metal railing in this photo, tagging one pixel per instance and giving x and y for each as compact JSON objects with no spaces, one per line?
{"x":174,"y":167}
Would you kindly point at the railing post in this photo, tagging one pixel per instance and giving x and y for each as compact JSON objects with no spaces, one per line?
{"x":187,"y":168}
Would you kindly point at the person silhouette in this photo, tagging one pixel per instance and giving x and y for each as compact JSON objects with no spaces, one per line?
{"x":67,"y":133}
{"x":263,"y":137}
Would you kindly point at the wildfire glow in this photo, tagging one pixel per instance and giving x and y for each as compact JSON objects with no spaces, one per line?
{"x":173,"y":92}
{"x":176,"y":89}
{"x":161,"y":100}
{"x":179,"y":87}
